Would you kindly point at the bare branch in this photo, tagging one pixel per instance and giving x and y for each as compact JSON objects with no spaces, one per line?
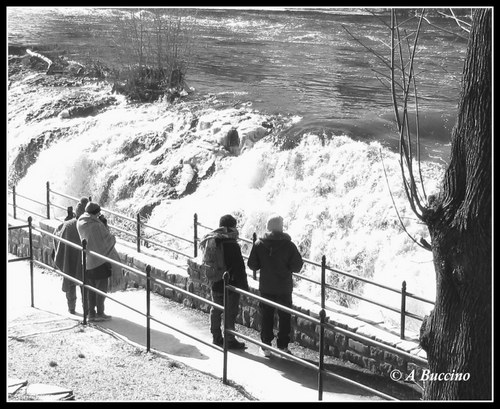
{"x":396,"y":209}
{"x":376,"y":54}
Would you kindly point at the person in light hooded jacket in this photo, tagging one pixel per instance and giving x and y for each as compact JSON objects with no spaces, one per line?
{"x":92,"y":226}
{"x":277,"y":257}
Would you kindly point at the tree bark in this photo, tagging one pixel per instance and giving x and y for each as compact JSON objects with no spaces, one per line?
{"x":457,"y":335}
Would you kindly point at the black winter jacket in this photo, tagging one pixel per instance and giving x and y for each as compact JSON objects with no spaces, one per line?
{"x":235,"y":266}
{"x":276,"y":256}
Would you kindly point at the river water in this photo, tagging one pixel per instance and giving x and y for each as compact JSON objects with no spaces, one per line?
{"x":295,"y":61}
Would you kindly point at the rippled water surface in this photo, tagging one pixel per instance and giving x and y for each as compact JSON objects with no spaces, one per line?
{"x":290,"y":61}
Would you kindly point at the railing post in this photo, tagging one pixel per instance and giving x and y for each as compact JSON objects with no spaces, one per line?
{"x":322,"y":316}
{"x":224,"y":342}
{"x":84,"y":280}
{"x":254,"y":239}
{"x":138,"y":236}
{"x":148,"y":308}
{"x":403,"y":309}
{"x":48,"y":200}
{"x":195,"y":238}
{"x":14,"y":200}
{"x":30,"y":236}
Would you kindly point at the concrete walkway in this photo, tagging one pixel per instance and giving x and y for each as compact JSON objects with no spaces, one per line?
{"x":266,"y":379}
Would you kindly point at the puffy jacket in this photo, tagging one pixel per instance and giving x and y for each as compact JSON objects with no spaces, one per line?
{"x":276,"y":256}
{"x":99,"y":239}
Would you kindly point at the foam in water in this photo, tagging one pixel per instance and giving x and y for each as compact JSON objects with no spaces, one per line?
{"x":331,"y":192}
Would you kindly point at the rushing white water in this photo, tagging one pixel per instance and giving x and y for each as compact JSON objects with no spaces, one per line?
{"x":330,"y":186}
{"x":333,"y":192}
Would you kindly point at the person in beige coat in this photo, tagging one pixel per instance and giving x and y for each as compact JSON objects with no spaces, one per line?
{"x":93,"y":228}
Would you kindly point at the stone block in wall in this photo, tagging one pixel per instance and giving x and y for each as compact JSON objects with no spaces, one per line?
{"x":393,"y":359}
{"x":12,"y":248}
{"x":376,"y":353}
{"x":306,"y":326}
{"x":189,"y":302}
{"x":35,"y":240}
{"x":159,"y":289}
{"x":371,"y":364}
{"x":333,"y":350}
{"x":181,"y":281}
{"x":168,"y":292}
{"x":359,"y":347}
{"x":305,"y":340}
{"x":354,"y":358}
{"x":385,"y":368}
{"x":140,"y":265}
{"x":341,"y":341}
{"x":37,"y":254}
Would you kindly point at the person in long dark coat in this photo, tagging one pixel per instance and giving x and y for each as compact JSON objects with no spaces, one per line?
{"x":69,"y":259}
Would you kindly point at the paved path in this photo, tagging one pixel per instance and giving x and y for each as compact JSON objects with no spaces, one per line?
{"x":267,"y":379}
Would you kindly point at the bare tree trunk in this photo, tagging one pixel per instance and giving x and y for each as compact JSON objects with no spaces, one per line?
{"x":457,"y":335}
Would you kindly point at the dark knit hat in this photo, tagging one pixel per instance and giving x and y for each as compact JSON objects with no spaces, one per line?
{"x":92,"y":208}
{"x":275,"y":223}
{"x":80,"y":207}
{"x":227,"y":221}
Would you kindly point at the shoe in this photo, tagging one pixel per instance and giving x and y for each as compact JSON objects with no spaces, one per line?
{"x":72,"y":311}
{"x":286,"y":350}
{"x":234,"y":344}
{"x":102,"y":317}
{"x":219,"y":341}
{"x":264,"y":352}
{"x":91,"y":316}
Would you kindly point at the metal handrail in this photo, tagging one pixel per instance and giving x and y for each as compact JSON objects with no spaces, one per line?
{"x":300,"y":361}
{"x":227,"y":287}
{"x":402,"y":311}
{"x":403,"y":293}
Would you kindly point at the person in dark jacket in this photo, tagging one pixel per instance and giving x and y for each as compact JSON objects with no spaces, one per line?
{"x":228,"y":234}
{"x":67,"y":258}
{"x":277,"y":257}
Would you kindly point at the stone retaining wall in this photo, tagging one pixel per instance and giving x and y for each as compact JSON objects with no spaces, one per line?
{"x":355,"y":348}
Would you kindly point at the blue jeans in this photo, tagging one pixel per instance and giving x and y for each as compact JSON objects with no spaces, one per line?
{"x":232,"y":306}
{"x":284,"y":320}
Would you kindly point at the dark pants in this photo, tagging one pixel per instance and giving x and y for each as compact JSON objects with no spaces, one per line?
{"x":71,"y":297}
{"x":232,"y":306}
{"x":284,"y":320}
{"x":96,"y":301}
